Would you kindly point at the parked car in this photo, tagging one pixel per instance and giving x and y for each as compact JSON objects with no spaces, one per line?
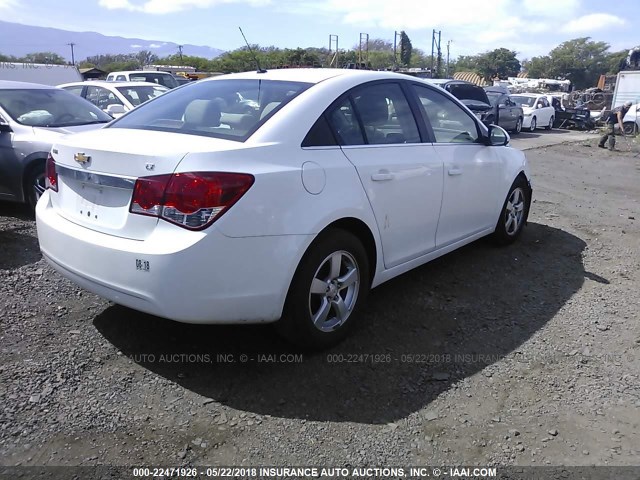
{"x":538,"y":112}
{"x":341,"y":181}
{"x":32,"y":117}
{"x":631,"y":120}
{"x":161,"y":78}
{"x":115,"y":98}
{"x":510,"y":114}
{"x":473,"y":96}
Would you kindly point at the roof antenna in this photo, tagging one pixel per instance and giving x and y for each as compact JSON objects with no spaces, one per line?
{"x":255,"y":57}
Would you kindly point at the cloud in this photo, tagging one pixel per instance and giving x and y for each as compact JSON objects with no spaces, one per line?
{"x":551,"y":8}
{"x":592,"y":22}
{"x":7,"y":4}
{"x":155,"y":45}
{"x":162,"y":7}
{"x":135,"y":46}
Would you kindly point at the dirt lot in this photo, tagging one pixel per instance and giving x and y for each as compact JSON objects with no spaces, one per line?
{"x":526,"y":355}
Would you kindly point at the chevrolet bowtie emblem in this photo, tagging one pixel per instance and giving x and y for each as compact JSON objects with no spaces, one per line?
{"x":81,"y":158}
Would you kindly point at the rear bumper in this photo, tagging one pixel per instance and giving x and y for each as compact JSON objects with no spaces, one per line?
{"x":193,"y":277}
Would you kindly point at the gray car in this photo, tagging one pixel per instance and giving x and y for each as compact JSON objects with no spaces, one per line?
{"x":509,"y":113}
{"x":32,"y":118}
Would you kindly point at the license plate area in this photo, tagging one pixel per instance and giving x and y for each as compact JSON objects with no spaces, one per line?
{"x":89,"y":201}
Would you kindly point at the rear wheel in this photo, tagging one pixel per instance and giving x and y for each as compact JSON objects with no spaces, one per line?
{"x":330,"y":283}
{"x":34,"y":185}
{"x":534,"y":124}
{"x":518,"y":127}
{"x":514,"y":213}
{"x":550,"y":126}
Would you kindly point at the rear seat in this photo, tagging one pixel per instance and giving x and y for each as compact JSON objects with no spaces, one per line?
{"x":238,"y":121}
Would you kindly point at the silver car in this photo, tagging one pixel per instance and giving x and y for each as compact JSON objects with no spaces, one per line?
{"x":32,"y":118}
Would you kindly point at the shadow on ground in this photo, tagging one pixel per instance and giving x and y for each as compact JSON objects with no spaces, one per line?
{"x":481,"y":301}
{"x":17,"y":248}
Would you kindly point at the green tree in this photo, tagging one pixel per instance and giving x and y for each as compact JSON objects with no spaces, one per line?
{"x":405,"y":49}
{"x":145,"y":57}
{"x":580,"y":60}
{"x":43,"y":57}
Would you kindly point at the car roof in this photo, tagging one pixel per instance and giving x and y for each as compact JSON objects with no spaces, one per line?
{"x":308,"y":75}
{"x":126,"y":72}
{"x":442,"y":81}
{"x":10,"y":84}
{"x":104,"y":83}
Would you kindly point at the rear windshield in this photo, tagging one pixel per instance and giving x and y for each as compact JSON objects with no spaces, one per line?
{"x":141,"y":93}
{"x":524,"y":101}
{"x":232,"y":109}
{"x":166,"y":80}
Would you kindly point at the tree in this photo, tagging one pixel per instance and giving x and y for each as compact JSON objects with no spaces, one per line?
{"x":500,"y":62}
{"x":145,"y":57}
{"x":405,"y":49}
{"x":539,"y":67}
{"x":580,"y":60}
{"x":43,"y":57}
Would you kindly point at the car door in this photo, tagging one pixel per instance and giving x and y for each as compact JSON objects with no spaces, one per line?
{"x":401,"y":175}
{"x":505,"y":113}
{"x":472,"y":180}
{"x":8,"y":159}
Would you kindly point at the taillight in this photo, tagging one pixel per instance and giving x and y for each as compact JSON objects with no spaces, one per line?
{"x":52,"y":177}
{"x":191,"y":200}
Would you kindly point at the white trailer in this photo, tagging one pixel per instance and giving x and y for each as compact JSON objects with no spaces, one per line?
{"x":43,"y":73}
{"x":627,"y":88}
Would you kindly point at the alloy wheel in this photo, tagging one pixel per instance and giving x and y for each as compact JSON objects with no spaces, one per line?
{"x":514,"y":211}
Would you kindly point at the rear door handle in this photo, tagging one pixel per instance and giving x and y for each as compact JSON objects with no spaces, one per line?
{"x":455,"y":171}
{"x":382,"y":176}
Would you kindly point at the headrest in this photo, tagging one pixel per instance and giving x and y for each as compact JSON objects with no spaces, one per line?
{"x":202,"y":113}
{"x":373,"y":109}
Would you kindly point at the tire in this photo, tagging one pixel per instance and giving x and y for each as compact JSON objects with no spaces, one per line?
{"x":515,"y":209}
{"x":518,"y":127}
{"x":534,"y":124}
{"x":334,"y":255}
{"x":550,"y":126}
{"x":630,"y":128}
{"x":34,"y":185}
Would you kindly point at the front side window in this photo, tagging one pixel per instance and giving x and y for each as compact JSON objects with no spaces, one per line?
{"x":209,"y":108}
{"x":450,"y":123}
{"x":50,"y":108}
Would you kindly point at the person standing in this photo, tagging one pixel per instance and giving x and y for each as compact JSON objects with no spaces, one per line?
{"x":616,"y":116}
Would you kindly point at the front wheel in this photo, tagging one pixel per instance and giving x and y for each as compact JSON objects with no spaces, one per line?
{"x":518,"y":127}
{"x":550,"y":126}
{"x":534,"y":124}
{"x":514,"y":213}
{"x":630,"y":128}
{"x":331,"y":281}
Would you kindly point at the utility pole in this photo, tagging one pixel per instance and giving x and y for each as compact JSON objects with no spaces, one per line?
{"x":435,"y":44}
{"x":180,"y":53}
{"x":73,"y":59}
{"x":448,"y":46}
{"x":363,"y":58}
{"x":334,"y":39}
{"x":395,"y":49}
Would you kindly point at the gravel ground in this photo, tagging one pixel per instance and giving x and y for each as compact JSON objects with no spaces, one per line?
{"x":525,"y":355}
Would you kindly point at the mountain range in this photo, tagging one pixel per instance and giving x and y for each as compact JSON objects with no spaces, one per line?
{"x":15,"y":40}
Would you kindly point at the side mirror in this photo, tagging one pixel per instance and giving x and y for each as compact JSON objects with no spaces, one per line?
{"x":498,"y":136}
{"x":115,"y":109}
{"x":5,"y":128}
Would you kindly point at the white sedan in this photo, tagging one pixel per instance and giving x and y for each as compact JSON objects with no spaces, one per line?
{"x":338,"y":182}
{"x":115,"y":98}
{"x":537,"y":110}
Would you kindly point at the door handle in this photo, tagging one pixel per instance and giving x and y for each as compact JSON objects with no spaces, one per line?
{"x":382,"y":176}
{"x":455,"y":171}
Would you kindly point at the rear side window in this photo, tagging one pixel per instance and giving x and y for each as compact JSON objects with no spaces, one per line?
{"x":320,"y":135}
{"x":212,"y":108}
{"x":345,"y":124}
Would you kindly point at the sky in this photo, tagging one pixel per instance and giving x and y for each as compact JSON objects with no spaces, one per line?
{"x":529,"y":27}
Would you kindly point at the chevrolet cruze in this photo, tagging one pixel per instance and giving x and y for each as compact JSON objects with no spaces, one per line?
{"x":337,"y":181}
